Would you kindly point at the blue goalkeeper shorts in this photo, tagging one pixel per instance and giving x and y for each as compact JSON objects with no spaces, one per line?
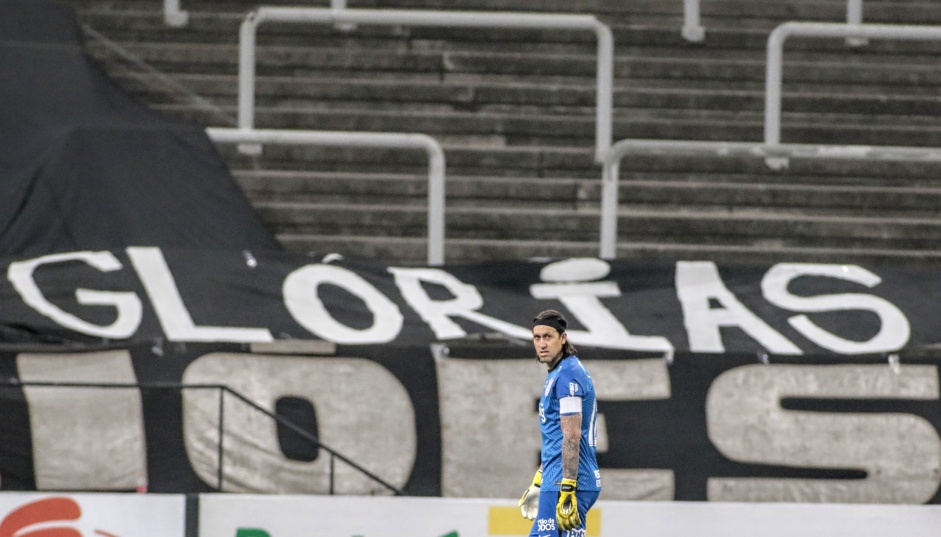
{"x":545,"y":524}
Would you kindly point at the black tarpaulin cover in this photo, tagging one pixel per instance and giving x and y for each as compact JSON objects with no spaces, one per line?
{"x":84,"y":166}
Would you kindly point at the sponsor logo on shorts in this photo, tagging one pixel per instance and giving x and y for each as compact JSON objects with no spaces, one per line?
{"x":545,"y":524}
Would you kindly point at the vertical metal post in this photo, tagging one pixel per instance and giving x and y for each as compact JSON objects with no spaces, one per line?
{"x":332,"y":469}
{"x":692,"y":28}
{"x":773,"y":77}
{"x":172,"y":15}
{"x":340,"y":5}
{"x":246,"y":113}
{"x":609,"y":207}
{"x":605,"y":80}
{"x":436,"y":197}
{"x":854,"y":11}
{"x":221,"y":435}
{"x":247,"y":32}
{"x":773,"y":84}
{"x":854,"y":15}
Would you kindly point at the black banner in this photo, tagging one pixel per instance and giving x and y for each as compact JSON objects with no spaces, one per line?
{"x":792,"y":382}
{"x":150,"y":294}
{"x":694,"y":427}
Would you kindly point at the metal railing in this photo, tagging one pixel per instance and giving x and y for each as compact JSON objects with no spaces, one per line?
{"x":436,"y":162}
{"x":450,"y":19}
{"x":223,"y":390}
{"x":774,"y":153}
{"x":694,"y":31}
{"x":611,"y":180}
{"x":177,"y":18}
{"x":772,"y":132}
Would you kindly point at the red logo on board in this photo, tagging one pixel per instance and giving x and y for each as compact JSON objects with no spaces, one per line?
{"x":43,"y":513}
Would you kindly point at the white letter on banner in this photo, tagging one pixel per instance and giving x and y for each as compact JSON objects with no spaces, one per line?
{"x":175,"y":319}
{"x":696,"y":283}
{"x":438,"y":313}
{"x":362,"y":411}
{"x":128,"y":305}
{"x":85,"y":438}
{"x":485,"y":404}
{"x":470,"y":430}
{"x":900,"y":453}
{"x":582,"y":300}
{"x":632,"y":380}
{"x":303,"y":302}
{"x":894,"y":329}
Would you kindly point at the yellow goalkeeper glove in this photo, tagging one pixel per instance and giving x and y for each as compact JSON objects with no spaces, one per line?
{"x":566,"y":512}
{"x":529,"y":503}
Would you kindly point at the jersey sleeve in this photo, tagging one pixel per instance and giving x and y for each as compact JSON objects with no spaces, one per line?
{"x":569,"y":384}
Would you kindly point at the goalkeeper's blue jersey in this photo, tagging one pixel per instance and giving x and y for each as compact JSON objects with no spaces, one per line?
{"x":569,"y":378}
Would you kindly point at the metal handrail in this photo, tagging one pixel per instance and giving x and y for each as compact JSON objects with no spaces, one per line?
{"x":692,"y":28}
{"x":772,"y":127}
{"x":694,"y":31}
{"x":451,"y":19}
{"x":610,"y":174}
{"x":178,"y":18}
{"x":436,"y":162}
{"x":223,"y":389}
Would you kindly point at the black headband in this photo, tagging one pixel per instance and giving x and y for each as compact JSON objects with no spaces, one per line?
{"x":552,"y":322}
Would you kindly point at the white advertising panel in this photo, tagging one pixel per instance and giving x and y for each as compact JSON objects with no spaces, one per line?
{"x":339,"y":516}
{"x":92,"y":515}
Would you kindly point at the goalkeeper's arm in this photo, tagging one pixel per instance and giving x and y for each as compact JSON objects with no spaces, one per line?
{"x":566,"y":511}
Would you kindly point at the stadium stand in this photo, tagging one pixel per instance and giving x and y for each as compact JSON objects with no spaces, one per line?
{"x":515,"y":113}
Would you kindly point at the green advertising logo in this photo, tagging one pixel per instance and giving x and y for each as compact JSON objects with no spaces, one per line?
{"x":251,"y":532}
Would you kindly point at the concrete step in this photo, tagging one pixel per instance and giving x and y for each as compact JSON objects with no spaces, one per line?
{"x":461,"y":160}
{"x":742,"y":27}
{"x":487,"y":95}
{"x":405,"y":189}
{"x":555,"y":193}
{"x":522,"y":129}
{"x":782,"y":8}
{"x":636,"y":39}
{"x":737,"y":226}
{"x":542,"y":162}
{"x":413,"y":251}
{"x":847,"y":172}
{"x":843,"y":67}
{"x":836,"y":200}
{"x":741,"y":12}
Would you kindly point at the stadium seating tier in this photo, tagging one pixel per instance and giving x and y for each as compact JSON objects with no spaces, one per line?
{"x":514,"y":111}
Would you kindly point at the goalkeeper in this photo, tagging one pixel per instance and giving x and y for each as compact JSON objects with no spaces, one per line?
{"x":568,"y":482}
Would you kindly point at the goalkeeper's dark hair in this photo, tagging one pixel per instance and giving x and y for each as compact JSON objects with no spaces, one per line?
{"x":554,"y":319}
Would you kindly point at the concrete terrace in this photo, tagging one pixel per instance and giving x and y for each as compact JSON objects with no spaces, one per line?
{"x":515,"y":113}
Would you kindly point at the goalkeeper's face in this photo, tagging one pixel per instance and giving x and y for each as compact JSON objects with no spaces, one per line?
{"x":548,"y":344}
